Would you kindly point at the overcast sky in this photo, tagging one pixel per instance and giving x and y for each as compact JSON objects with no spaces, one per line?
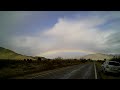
{"x":60,"y":33}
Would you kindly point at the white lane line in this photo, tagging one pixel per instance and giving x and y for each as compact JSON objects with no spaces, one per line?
{"x":72,"y":73}
{"x":50,"y":72}
{"x":87,"y":73}
{"x":95,"y":71}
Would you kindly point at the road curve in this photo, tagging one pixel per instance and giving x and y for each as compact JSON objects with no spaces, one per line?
{"x":82,"y":71}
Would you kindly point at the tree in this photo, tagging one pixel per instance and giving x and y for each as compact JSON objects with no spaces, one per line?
{"x":39,"y":59}
{"x":59,"y":58}
{"x":104,"y":59}
{"x":24,"y":59}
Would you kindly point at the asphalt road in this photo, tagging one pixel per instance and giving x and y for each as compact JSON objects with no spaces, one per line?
{"x":82,"y":71}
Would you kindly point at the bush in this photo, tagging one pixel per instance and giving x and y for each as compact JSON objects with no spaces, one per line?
{"x":21,"y":67}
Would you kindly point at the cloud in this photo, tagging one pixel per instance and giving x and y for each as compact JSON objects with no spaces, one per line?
{"x":84,"y":33}
{"x":13,"y":23}
{"x":10,"y":21}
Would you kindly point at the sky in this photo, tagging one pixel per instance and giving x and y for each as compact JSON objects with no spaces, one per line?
{"x":65,"y":34}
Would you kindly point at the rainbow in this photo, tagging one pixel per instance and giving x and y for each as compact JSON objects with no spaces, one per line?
{"x":64,"y":50}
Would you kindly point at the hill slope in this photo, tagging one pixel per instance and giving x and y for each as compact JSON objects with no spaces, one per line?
{"x":98,"y":56}
{"x":9,"y":54}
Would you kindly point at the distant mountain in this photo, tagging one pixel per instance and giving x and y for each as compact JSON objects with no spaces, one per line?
{"x":98,"y":56}
{"x":9,"y":54}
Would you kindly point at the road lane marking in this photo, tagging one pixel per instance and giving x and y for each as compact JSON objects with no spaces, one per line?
{"x":87,"y":73}
{"x":67,"y":76}
{"x":95,"y":71}
{"x":42,"y":74}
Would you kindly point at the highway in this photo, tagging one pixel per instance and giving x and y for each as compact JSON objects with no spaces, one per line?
{"x":81,"y":71}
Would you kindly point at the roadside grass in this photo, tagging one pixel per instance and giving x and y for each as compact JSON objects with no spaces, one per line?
{"x":105,"y":76}
{"x":13,"y":68}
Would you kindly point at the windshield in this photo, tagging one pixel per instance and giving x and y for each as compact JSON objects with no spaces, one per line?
{"x":114,"y":63}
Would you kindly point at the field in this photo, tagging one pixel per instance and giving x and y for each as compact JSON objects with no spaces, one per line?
{"x":13,"y":68}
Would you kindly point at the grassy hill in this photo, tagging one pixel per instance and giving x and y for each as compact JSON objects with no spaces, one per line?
{"x":9,"y":54}
{"x":98,"y":56}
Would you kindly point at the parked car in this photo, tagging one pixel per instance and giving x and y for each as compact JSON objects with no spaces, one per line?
{"x":111,"y":66}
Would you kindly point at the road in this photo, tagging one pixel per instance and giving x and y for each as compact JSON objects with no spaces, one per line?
{"x":82,"y":71}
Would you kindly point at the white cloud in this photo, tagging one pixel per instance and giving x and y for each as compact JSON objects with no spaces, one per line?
{"x":68,"y":34}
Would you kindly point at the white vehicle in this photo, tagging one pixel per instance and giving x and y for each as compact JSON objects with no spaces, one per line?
{"x":111,"y":66}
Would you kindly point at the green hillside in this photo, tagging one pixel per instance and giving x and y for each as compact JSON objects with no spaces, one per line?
{"x":9,"y":54}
